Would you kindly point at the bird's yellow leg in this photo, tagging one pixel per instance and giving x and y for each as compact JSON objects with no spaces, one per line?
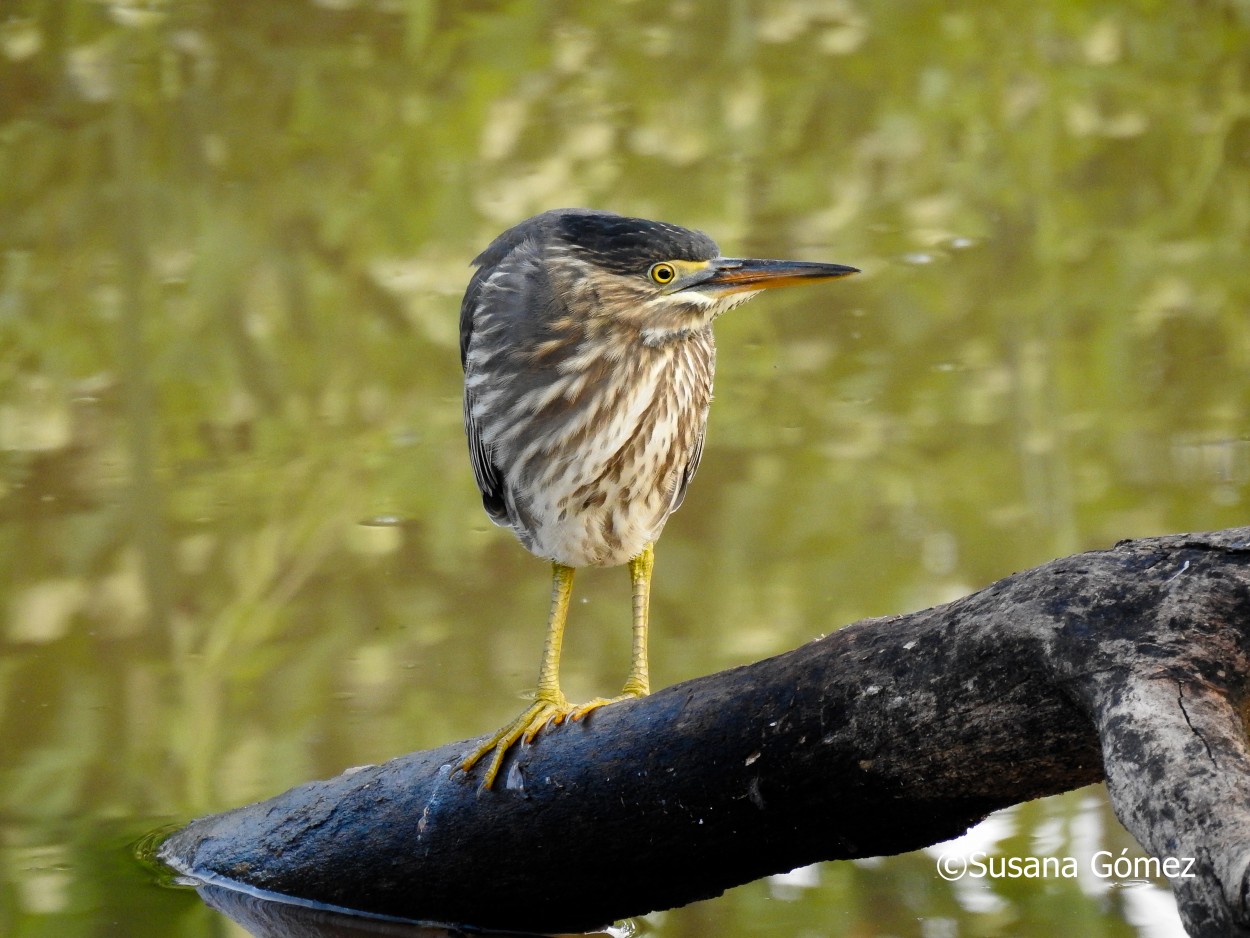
{"x":638,"y":683}
{"x":550,"y":704}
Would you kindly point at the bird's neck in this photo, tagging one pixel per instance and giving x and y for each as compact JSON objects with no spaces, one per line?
{"x":655,"y":337}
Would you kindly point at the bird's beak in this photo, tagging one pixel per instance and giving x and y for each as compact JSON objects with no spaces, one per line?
{"x":728,"y":275}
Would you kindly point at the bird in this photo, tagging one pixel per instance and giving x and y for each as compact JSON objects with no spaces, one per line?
{"x":588,"y":356}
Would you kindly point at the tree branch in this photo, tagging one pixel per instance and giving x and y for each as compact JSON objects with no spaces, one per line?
{"x":886,"y":736}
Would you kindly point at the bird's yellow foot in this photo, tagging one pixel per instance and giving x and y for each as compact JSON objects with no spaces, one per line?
{"x":547,"y":709}
{"x":581,"y":711}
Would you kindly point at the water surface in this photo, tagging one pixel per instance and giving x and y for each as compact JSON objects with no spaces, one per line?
{"x":233,"y":239}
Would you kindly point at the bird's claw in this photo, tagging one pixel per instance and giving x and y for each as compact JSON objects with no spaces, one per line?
{"x":543,"y":712}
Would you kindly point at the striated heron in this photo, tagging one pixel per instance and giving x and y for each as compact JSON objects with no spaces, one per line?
{"x":586,"y":341}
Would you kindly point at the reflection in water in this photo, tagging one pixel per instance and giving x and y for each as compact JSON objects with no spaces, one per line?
{"x":267,"y":918}
{"x":230,"y":266}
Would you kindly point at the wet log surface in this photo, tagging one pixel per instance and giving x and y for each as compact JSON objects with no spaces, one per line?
{"x":885,"y":736}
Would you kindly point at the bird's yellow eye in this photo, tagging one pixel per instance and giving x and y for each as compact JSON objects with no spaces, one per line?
{"x":663,"y":274}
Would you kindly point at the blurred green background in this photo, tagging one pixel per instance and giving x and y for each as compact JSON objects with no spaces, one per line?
{"x":240,"y":540}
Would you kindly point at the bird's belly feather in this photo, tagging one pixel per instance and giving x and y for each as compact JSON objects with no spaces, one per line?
{"x":606,"y":529}
{"x":605,"y":504}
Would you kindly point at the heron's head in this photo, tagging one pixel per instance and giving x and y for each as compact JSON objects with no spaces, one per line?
{"x":613,"y":272}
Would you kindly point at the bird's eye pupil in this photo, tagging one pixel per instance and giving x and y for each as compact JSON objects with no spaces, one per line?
{"x":663,"y":273}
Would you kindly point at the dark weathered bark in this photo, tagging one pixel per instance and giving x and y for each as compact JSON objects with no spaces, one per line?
{"x":885,"y":736}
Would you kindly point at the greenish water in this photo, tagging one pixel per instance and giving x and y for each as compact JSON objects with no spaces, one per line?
{"x":233,"y":239}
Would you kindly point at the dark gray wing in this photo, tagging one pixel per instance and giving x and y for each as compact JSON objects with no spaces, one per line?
{"x":705,"y":366}
{"x":496,"y":255}
{"x":493,"y":260}
{"x":692,"y":466}
{"x":509,"y":258}
{"x":485,"y":472}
